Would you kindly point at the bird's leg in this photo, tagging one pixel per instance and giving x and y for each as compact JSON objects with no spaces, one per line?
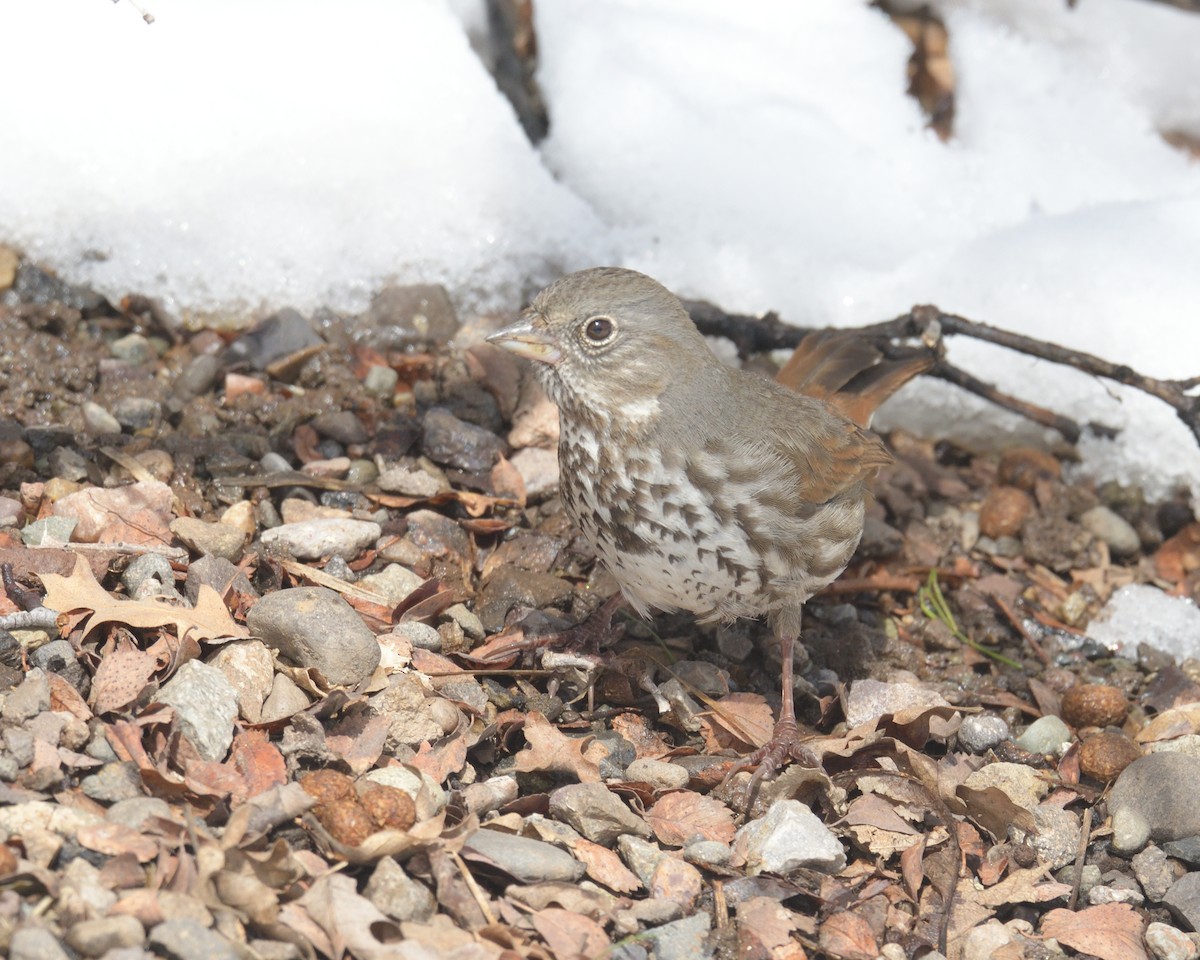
{"x":784,"y":744}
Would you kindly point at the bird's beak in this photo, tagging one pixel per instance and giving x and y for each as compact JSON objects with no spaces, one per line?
{"x":525,"y":340}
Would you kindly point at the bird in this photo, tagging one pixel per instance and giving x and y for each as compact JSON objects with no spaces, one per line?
{"x":702,"y":487}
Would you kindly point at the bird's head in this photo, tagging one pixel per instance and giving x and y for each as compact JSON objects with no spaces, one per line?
{"x":608,"y":342}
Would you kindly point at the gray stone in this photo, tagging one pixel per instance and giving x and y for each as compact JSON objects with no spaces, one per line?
{"x":113,"y":782}
{"x":1112,"y":528}
{"x":404,"y":316}
{"x":1154,"y":872}
{"x":789,"y":837}
{"x":393,"y":581}
{"x":149,"y":575}
{"x":134,"y":812}
{"x":218,"y":573}
{"x":1183,"y":900}
{"x":1130,"y":830}
{"x":314,"y":627}
{"x":323,"y":537}
{"x":471,"y":625}
{"x":979,"y":733}
{"x":340,"y":425}
{"x":35,"y":943}
{"x":685,"y":939}
{"x":982,"y":941}
{"x":395,"y":893}
{"x":641,"y":856}
{"x":137,"y":413}
{"x":94,"y":937}
{"x":273,"y":338}
{"x":1046,"y":735}
{"x":1021,"y":784}
{"x":1057,"y":837}
{"x":1167,"y":943}
{"x":98,"y":421}
{"x":380,"y":381}
{"x":132,"y":348}
{"x":285,"y":700}
{"x":205,"y":704}
{"x":197,"y":378}
{"x":1161,"y":788}
{"x":409,"y":481}
{"x":58,"y":656}
{"x":191,"y":940}
{"x":596,"y":812}
{"x":69,"y":464}
{"x":249,"y":667}
{"x":420,"y":635}
{"x":870,"y":699}
{"x":524,"y":859}
{"x":658,"y":773}
{"x":29,"y":698}
{"x":708,"y":853}
{"x":218,"y":539}
{"x":456,"y":443}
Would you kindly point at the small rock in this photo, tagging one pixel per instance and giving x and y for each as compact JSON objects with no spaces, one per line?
{"x":509,"y":587}
{"x":399,"y":896}
{"x":1167,"y":943}
{"x":94,"y":937}
{"x":879,"y":539}
{"x":596,"y":812}
{"x":249,"y":668}
{"x":198,"y":378}
{"x":342,"y":426}
{"x":404,"y":316}
{"x":981,"y":942}
{"x":285,"y":699}
{"x":1023,"y":467}
{"x":29,"y":698}
{"x":1003,"y":512}
{"x":685,"y":939}
{"x":393,"y":581}
{"x":1021,"y":784}
{"x":137,"y":413}
{"x":150,"y":575}
{"x":217,"y":539}
{"x":142,"y":509}
{"x":135,"y":811}
{"x":1113,"y":529}
{"x":217,"y":573}
{"x":788,"y":838}
{"x":67,"y":463}
{"x":380,"y":381}
{"x":524,"y":859}
{"x":1154,"y":872}
{"x":1094,"y":705}
{"x":471,"y":625}
{"x":420,"y":635}
{"x":1187,"y":850}
{"x":35,"y":943}
{"x":314,"y":627}
{"x":456,"y":443}
{"x":1183,"y":900}
{"x":980,"y":732}
{"x":98,"y":421}
{"x":58,"y":656}
{"x":1130,"y":830}
{"x":1161,"y":788}
{"x":1106,"y":893}
{"x":191,"y":940}
{"x":280,"y":335}
{"x":205,"y":704}
{"x":113,"y":782}
{"x":1047,"y":736}
{"x":538,"y":468}
{"x":409,"y":481}
{"x":133,"y":348}
{"x":657,"y":773}
{"x":676,"y":880}
{"x":1103,"y":756}
{"x":708,"y":853}
{"x":1057,"y":837}
{"x":871,"y":699}
{"x":314,"y":539}
{"x":641,"y":856}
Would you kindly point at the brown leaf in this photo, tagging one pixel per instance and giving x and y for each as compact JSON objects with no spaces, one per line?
{"x":1111,"y":931}
{"x":122,"y":675}
{"x":259,"y":761}
{"x":443,"y":760}
{"x":550,"y":751}
{"x":605,"y":867}
{"x":1020,"y":886}
{"x":992,"y":809}
{"x":764,"y":930}
{"x":912,"y":868}
{"x":743,"y":721}
{"x":115,"y":839}
{"x":570,"y":935}
{"x":679,"y":818}
{"x":208,"y":620}
{"x":359,"y":741}
{"x":848,"y":935}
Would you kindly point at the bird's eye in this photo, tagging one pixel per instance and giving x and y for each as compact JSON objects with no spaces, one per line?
{"x":598,"y":329}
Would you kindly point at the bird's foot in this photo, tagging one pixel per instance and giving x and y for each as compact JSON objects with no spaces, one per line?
{"x":784,"y":747}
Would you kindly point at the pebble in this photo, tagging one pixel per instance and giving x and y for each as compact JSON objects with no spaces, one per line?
{"x":94,"y":937}
{"x":67,"y":464}
{"x":410,"y":482}
{"x":508,"y":587}
{"x":398,"y":895}
{"x":1103,"y":756}
{"x":659,"y":774}
{"x":421,"y":635}
{"x":98,"y":421}
{"x":361,"y":472}
{"x":1057,"y":837}
{"x":471,"y":625}
{"x":1154,"y":872}
{"x":340,"y":425}
{"x":217,"y":573}
{"x":1183,"y":900}
{"x":314,"y":627}
{"x":1105,"y":893}
{"x":1021,"y":784}
{"x":216,"y":539}
{"x":314,"y":539}
{"x":596,"y":812}
{"x":708,"y":853}
{"x":393,"y":581}
{"x":1167,"y":943}
{"x":132,"y":348}
{"x":206,"y":706}
{"x":1112,"y":528}
{"x":404,"y":316}
{"x":685,"y":939}
{"x":285,"y":699}
{"x":980,"y":732}
{"x":1023,"y":467}
{"x":58,"y":656}
{"x":191,"y":940}
{"x":198,"y":378}
{"x":1160,"y":790}
{"x":525,"y":859}
{"x":1047,"y":736}
{"x":538,"y":467}
{"x":870,"y":699}
{"x":788,"y":838}
{"x":144,"y":505}
{"x":273,"y":338}
{"x":29,"y":698}
{"x":150,"y":575}
{"x":249,"y":668}
{"x":1094,"y":705}
{"x":35,"y":943}
{"x":456,"y":443}
{"x":981,"y":942}
{"x":380,"y":381}
{"x":113,"y":782}
{"x":137,"y":413}
{"x":1003,"y":512}
{"x":135,"y":811}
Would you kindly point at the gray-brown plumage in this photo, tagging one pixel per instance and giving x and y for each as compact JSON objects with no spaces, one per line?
{"x":702,"y":487}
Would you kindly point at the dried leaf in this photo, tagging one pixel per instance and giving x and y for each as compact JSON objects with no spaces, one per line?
{"x":259,"y":762}
{"x":442,"y":761}
{"x":604,"y":866}
{"x":992,"y":809}
{"x":122,"y":675}
{"x":743,"y":721}
{"x":114,"y":839}
{"x":848,"y":935}
{"x":679,"y":818}
{"x":550,"y":751}
{"x":207,"y":620}
{"x":569,"y":934}
{"x":1111,"y":931}
{"x":764,"y":929}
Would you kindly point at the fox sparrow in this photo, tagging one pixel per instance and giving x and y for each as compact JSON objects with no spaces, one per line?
{"x":702,"y":487}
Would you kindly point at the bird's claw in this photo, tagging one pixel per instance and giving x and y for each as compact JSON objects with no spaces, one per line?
{"x":784,"y":746}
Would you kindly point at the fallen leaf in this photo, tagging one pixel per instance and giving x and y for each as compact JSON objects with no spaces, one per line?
{"x":442,"y":761}
{"x":259,"y":761}
{"x":121,"y":676}
{"x":848,"y":935}
{"x":569,"y":934}
{"x":764,"y":929}
{"x":551,"y":751}
{"x":743,"y":721}
{"x":681,"y":817}
{"x":207,"y":620}
{"x":1111,"y":931}
{"x":114,"y":839}
{"x":605,"y":867}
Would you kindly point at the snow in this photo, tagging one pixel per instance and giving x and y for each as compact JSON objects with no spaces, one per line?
{"x":760,"y":155}
{"x":1139,"y":613}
